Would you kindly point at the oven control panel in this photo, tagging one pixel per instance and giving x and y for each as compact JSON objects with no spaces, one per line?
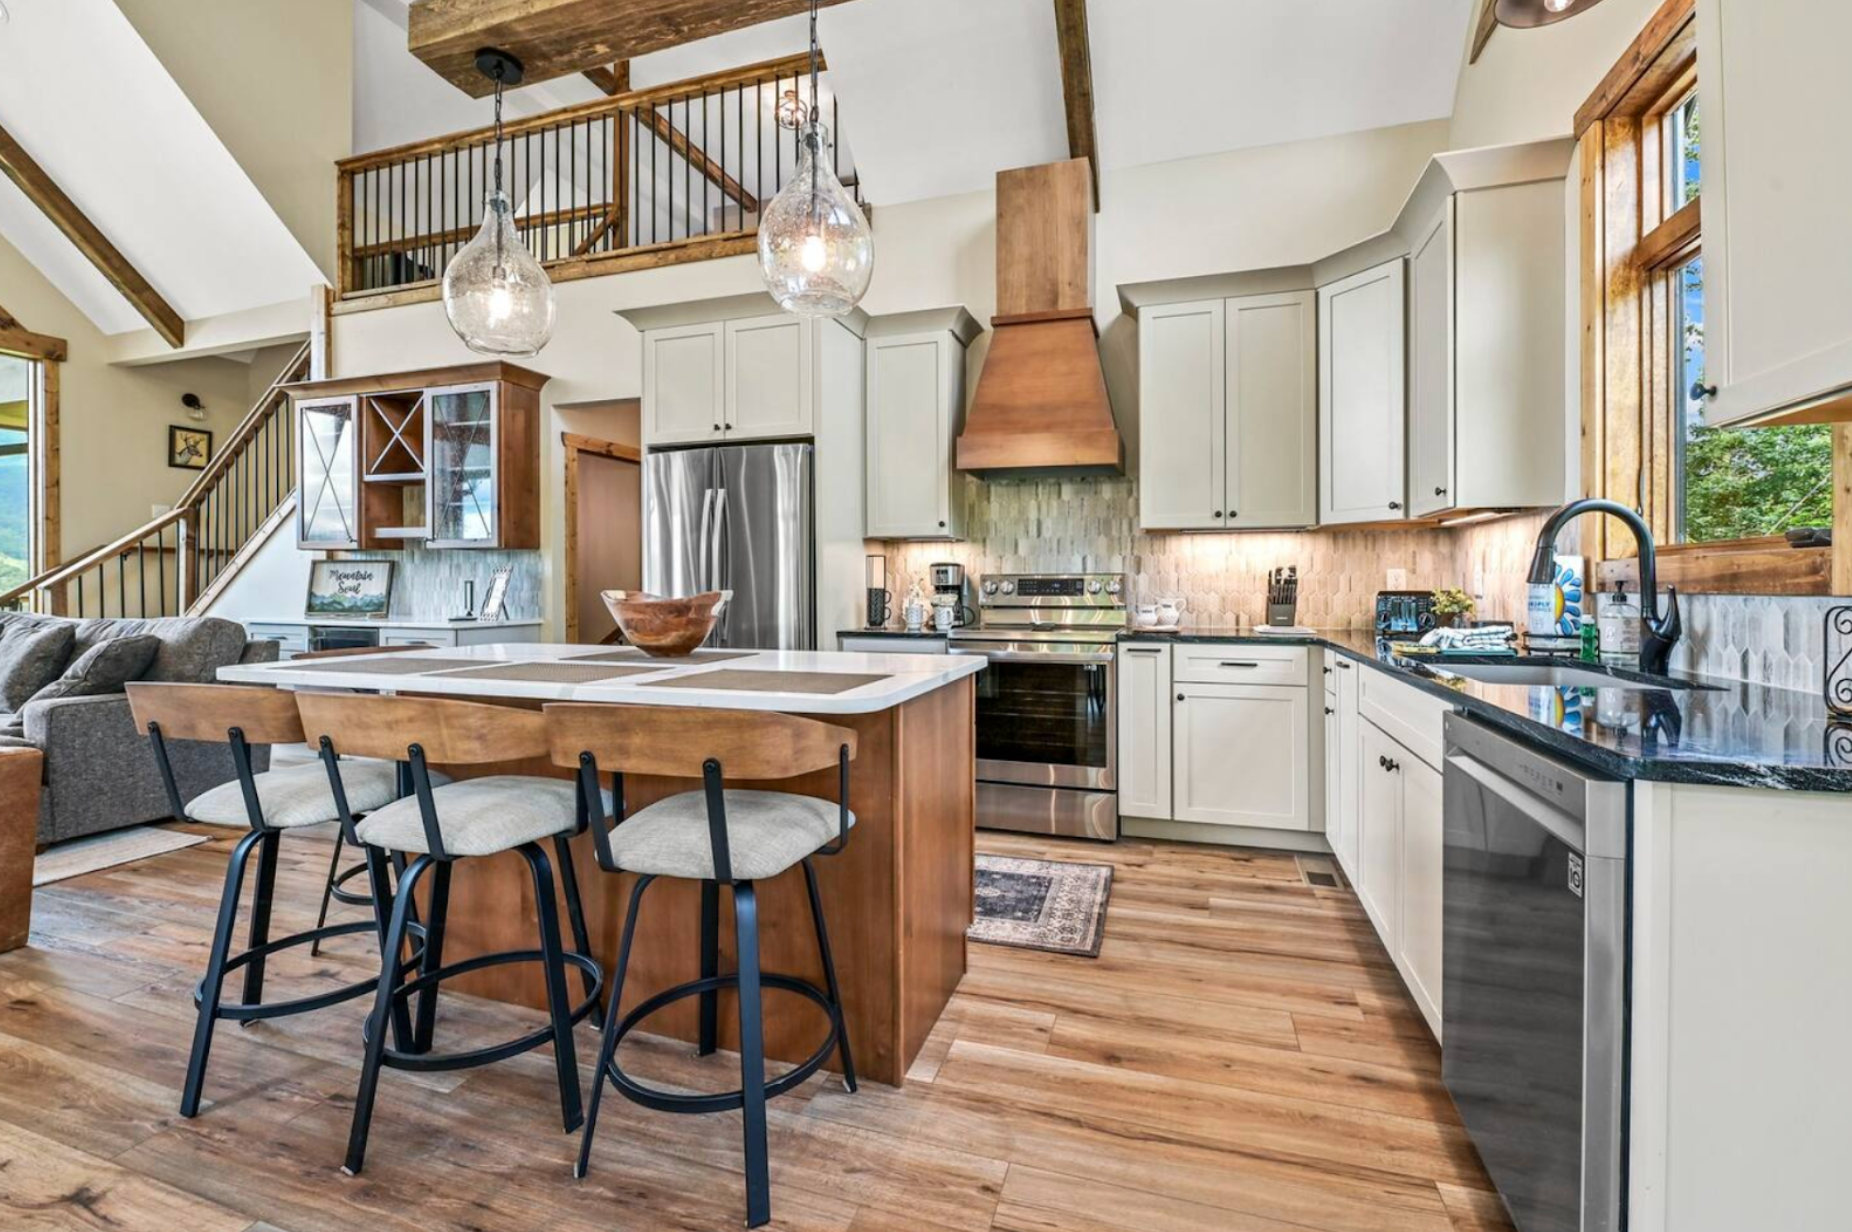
{"x":1057,"y":590}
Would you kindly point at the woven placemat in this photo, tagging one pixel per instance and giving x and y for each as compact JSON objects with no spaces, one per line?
{"x":384,"y":665}
{"x":747,"y":681}
{"x":549,"y":673}
{"x":630,"y":654}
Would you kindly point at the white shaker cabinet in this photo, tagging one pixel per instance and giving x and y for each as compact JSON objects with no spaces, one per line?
{"x":1271,"y":434}
{"x":1181,"y":416}
{"x":1378,"y":877}
{"x":1362,"y":396}
{"x":684,"y":378}
{"x":1342,"y":753}
{"x":1423,"y":850}
{"x":1430,"y":368}
{"x":1241,"y":756}
{"x":1777,"y":254}
{"x":1144,"y":731}
{"x":770,"y":376}
{"x":916,"y":401}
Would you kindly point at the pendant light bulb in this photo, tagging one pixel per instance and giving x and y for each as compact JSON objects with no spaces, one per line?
{"x":497,"y":296}
{"x":816,"y":249}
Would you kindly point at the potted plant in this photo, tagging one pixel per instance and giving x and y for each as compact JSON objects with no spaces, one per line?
{"x":1452,"y":606}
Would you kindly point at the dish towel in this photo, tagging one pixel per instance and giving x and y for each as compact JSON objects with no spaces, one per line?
{"x":1484,"y":638}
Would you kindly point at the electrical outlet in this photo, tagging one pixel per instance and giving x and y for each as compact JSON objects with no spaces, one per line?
{"x":1398,"y":579}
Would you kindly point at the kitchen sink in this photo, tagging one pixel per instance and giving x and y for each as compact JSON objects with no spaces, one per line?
{"x":1561,"y":676}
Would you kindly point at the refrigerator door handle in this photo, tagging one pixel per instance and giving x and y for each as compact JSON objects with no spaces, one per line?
{"x":720,"y":578}
{"x":703,"y":573}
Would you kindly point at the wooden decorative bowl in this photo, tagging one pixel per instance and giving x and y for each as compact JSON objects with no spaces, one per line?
{"x":665,"y":628}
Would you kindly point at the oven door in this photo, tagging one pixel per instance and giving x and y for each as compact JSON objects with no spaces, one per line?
{"x":1046,"y":717}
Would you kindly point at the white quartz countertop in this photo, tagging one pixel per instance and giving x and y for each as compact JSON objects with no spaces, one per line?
{"x":336,"y":622}
{"x":903,"y":677}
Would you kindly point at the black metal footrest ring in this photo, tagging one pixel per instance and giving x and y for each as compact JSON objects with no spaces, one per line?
{"x":352,"y":898}
{"x":435,"y":1061}
{"x":725,"y":1101}
{"x":241,"y":1012}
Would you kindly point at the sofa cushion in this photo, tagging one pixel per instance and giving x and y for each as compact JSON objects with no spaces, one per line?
{"x":104,"y":668}
{"x":32,"y":655}
{"x":193,"y":648}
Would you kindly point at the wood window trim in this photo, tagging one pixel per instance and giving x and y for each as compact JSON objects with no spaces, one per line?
{"x":1631,"y":251}
{"x":44,"y":476}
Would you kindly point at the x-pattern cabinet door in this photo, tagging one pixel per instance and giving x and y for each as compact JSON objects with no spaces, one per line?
{"x":327,"y":431}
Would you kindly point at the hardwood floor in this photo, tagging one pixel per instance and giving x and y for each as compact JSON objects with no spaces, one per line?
{"x":1240,"y":1058}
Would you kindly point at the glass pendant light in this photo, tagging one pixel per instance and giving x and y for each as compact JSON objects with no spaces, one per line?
{"x":497,"y":296}
{"x":1529,"y":14}
{"x":816,"y":251}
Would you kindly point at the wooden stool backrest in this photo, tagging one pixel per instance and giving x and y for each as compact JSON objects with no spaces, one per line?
{"x":453,"y":732}
{"x":209,"y":711}
{"x":677,"y":741}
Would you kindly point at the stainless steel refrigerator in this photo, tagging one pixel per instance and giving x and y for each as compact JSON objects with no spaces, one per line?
{"x":739,"y":518}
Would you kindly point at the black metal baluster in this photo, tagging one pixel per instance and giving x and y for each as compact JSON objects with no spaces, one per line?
{"x":707,"y":204}
{"x":141,"y":573}
{"x":687,"y":170}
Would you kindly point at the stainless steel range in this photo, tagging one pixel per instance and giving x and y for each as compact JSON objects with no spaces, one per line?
{"x":1047,"y":725}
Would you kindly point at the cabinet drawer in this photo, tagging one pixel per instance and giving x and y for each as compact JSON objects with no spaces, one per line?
{"x":1410,"y":716}
{"x":849,"y":643}
{"x":1212,"y":663}
{"x":418,"y":637}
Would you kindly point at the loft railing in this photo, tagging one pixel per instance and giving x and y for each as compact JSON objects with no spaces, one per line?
{"x":650,"y":176}
{"x":177,"y":563}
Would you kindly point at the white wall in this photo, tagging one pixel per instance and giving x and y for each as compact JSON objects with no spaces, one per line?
{"x":1262,"y":207}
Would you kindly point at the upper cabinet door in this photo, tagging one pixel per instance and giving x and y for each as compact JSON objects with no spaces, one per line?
{"x":1181,"y":412}
{"x":912,"y":418}
{"x":1362,"y":396}
{"x":769,"y":377}
{"x":1777,"y":253}
{"x":1430,"y":369}
{"x":1271,"y":437}
{"x":683,"y":380}
{"x":328,"y":479}
{"x":462,"y":455}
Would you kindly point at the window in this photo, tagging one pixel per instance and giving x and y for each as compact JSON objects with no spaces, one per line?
{"x":1722,"y":500}
{"x":17,"y":378}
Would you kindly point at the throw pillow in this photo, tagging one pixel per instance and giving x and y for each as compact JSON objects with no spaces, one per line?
{"x":31,"y":657}
{"x":104,"y":668}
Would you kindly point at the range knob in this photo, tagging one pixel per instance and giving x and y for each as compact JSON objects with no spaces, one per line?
{"x":1093,"y":586}
{"x":1112,"y":587}
{"x":1009,"y":588}
{"x":990,"y":587}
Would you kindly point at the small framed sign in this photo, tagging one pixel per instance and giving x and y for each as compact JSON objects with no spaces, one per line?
{"x":351,"y":589}
{"x":188,"y":449}
{"x":495,"y":603}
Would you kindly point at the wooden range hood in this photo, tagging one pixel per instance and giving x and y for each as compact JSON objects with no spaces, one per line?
{"x":1041,"y":399}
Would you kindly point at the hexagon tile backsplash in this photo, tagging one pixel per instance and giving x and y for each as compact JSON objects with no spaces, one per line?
{"x":1090,"y":524}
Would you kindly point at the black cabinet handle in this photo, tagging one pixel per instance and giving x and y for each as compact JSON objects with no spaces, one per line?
{"x":1327,"y":671}
{"x":716,"y":427}
{"x":1391,"y":765}
{"x":1237,"y":663}
{"x":1345,"y":666}
{"x":942,"y":526}
{"x":1699,"y":390}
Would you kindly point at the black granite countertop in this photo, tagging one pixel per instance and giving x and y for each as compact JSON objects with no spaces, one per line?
{"x":1722,"y":732}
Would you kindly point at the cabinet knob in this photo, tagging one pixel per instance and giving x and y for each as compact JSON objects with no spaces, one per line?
{"x":1391,"y":765}
{"x":1232,"y":515}
{"x":942,"y":526}
{"x":1179,"y":697}
{"x":716,"y":427}
{"x":1327,"y":671}
{"x":1440,"y":491}
{"x":1329,"y":710}
{"x":1700,"y":391}
{"x":1395,"y":504}
{"x":1218,"y":513}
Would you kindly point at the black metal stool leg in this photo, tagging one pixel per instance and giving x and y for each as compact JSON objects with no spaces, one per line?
{"x":607,"y":1048}
{"x":710,"y":967}
{"x":559,"y":1001}
{"x":752,"y":1056}
{"x":390,"y":968}
{"x":436,"y":918}
{"x":260,"y":918}
{"x":575,"y":910}
{"x":334,"y":870}
{"x":379,"y":879}
{"x":829,"y":978}
{"x":213,"y":984}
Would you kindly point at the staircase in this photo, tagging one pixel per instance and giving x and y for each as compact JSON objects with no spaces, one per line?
{"x":178,"y":563}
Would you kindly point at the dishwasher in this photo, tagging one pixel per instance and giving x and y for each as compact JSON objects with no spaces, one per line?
{"x":1534,"y":998}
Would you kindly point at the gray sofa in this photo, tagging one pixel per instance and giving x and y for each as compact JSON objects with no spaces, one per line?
{"x":100,"y":772}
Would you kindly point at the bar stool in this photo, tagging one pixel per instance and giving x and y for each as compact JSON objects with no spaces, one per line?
{"x":439,"y":825}
{"x":715,"y":836}
{"x":271,"y":804}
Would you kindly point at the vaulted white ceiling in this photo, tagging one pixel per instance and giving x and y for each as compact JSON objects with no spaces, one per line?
{"x":81,"y":90}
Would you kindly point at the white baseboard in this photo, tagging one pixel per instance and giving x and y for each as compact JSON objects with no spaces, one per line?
{"x":1225,"y":836}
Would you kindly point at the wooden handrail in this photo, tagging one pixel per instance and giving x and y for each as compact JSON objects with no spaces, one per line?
{"x":247,"y":428}
{"x":96,"y":556}
{"x":783,"y":66}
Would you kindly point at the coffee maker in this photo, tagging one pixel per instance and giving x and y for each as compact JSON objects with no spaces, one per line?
{"x":950,"y":584}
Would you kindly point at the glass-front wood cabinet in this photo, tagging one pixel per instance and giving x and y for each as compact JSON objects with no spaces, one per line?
{"x":461,"y":483}
{"x":328,"y":478}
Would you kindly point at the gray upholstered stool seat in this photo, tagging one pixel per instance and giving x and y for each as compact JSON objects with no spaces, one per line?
{"x":767,"y":832}
{"x":299,"y":795}
{"x":477,"y":817}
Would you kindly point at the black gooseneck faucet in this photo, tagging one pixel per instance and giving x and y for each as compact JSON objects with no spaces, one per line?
{"x":1661,"y":632}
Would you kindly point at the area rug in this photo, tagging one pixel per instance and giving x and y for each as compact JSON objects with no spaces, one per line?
{"x":101,"y":851}
{"x":1042,"y":904}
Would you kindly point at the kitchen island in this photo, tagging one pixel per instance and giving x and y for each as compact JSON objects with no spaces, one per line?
{"x":899,"y":897}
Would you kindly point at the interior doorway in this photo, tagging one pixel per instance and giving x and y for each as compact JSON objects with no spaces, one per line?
{"x":604,"y":531}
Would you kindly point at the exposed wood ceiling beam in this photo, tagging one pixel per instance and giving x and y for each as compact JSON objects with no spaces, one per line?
{"x":555,"y":38}
{"x":44,"y":193}
{"x":678,"y":141}
{"x":1488,"y":23}
{"x":612,"y":80}
{"x":1077,"y":86}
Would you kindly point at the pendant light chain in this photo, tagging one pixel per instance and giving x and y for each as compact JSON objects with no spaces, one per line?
{"x":499,"y":253}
